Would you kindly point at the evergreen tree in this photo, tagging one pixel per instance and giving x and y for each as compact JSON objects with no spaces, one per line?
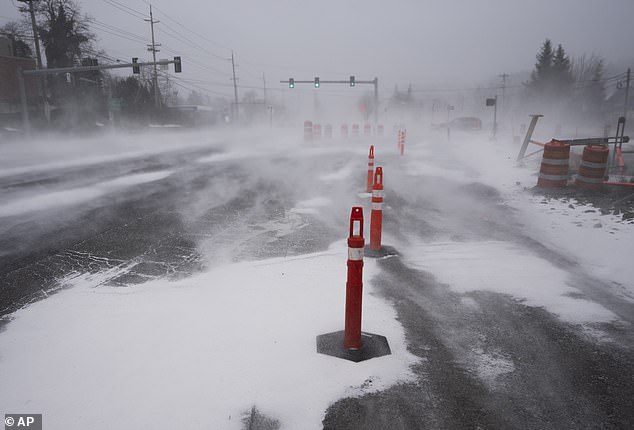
{"x":64,"y":33}
{"x":542,"y":74}
{"x":561,"y":73}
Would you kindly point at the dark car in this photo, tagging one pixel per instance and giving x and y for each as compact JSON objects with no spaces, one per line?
{"x":466,"y":123}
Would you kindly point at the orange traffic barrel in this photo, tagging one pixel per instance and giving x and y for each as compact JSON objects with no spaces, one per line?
{"x":308,"y":130}
{"x":553,"y":172}
{"x":317,"y":131}
{"x":328,"y":131}
{"x":344,"y":130}
{"x":594,"y":161}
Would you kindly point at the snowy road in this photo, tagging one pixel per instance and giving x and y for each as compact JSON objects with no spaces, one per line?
{"x":496,"y":316}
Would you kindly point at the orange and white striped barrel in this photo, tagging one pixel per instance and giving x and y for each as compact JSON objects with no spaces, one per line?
{"x":553,"y":172}
{"x":328,"y":131}
{"x":308,"y":130}
{"x":594,"y":162}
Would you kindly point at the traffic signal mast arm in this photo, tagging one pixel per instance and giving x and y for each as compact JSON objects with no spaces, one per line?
{"x":321,"y":81}
{"x":102,"y":67}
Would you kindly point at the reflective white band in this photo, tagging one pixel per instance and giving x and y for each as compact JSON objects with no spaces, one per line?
{"x":378,"y":193}
{"x":355,"y":254}
{"x":592,"y":165}
{"x":377,"y":206}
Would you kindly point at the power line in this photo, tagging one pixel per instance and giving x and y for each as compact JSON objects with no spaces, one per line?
{"x":126,"y":9}
{"x":168,"y":16}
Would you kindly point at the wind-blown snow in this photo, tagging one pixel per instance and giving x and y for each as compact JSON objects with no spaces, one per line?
{"x":204,"y":349}
{"x":73,"y":196}
{"x":502,"y":267}
{"x":312,"y":206}
{"x":565,"y":226}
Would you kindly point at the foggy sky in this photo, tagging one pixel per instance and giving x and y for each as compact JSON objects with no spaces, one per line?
{"x":424,"y":43}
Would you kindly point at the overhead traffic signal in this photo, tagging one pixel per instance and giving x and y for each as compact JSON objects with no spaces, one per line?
{"x":291,"y":83}
{"x":316,"y":81}
{"x":136,"y":69}
{"x":177,"y":65}
{"x":352,"y":81}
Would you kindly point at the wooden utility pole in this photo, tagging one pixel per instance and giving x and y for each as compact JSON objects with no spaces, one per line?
{"x":152,"y":48}
{"x":31,"y":11}
{"x":235,"y":86}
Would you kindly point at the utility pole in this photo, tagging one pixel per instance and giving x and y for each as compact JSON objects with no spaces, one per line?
{"x":264,"y":83}
{"x":38,"y":55}
{"x":153,"y":49}
{"x":627,"y":93}
{"x":376,"y":100}
{"x":504,"y":76}
{"x":235,"y":86}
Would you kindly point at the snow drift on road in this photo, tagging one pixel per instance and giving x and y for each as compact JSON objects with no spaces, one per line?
{"x":196,"y":353}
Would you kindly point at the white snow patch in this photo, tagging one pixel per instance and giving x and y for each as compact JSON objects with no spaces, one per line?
{"x":227,"y":156}
{"x":204,"y":349}
{"x":338,"y":175}
{"x":76,"y":196}
{"x":504,"y":268}
{"x":312,"y":206}
{"x":489,"y":365}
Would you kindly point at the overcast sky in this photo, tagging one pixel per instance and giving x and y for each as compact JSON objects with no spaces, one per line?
{"x":423,"y":42}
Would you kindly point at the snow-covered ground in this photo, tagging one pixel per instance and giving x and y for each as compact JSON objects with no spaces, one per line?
{"x":600,"y":243}
{"x":200,"y":352}
{"x":203,"y":350}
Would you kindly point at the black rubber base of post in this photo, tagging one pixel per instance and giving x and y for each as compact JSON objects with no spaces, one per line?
{"x":385,"y":251}
{"x":372,"y":346}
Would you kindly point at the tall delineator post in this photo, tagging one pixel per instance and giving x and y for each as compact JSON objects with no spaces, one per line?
{"x":376,"y":217}
{"x":368,"y":187}
{"x":351,"y":343}
{"x":354,"y":284}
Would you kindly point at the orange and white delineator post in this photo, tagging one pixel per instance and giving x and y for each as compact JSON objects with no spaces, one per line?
{"x":354,"y":284}
{"x":376,"y":217}
{"x":402,"y":143}
{"x":368,"y":187}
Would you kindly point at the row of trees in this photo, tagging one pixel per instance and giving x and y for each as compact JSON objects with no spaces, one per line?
{"x":67,"y":41}
{"x":577,"y":85}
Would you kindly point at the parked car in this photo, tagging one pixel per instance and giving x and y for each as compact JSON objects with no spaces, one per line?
{"x":465,"y":123}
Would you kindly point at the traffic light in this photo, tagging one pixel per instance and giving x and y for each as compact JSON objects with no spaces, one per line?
{"x":352,"y":82}
{"x":316,"y":81}
{"x":177,"y":65}
{"x":136,"y":69}
{"x":291,"y":83}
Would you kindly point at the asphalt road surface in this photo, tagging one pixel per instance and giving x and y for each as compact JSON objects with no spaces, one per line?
{"x":208,"y":210}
